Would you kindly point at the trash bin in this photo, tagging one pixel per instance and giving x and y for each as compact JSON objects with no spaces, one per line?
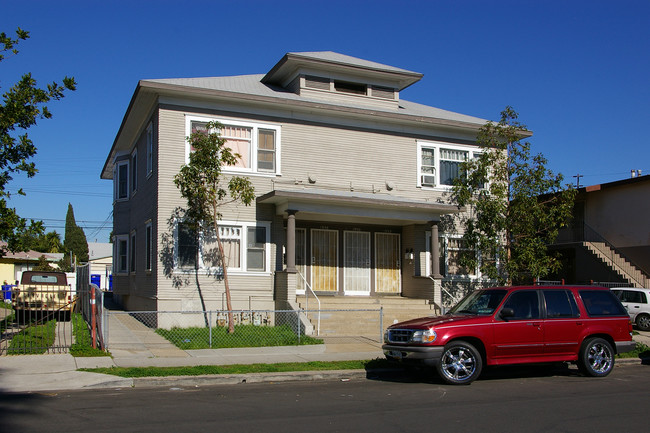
{"x":6,"y":293}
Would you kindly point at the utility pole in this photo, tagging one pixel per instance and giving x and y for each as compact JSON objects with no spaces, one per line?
{"x":578,"y":176}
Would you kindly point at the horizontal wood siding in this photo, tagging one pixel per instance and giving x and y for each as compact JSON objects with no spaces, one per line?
{"x":181,"y":289}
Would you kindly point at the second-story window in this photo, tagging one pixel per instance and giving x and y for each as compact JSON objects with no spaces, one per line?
{"x":258,"y":145}
{"x":121,"y":180}
{"x":439,"y":164}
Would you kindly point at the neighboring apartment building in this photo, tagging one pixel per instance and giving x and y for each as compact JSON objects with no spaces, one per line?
{"x":609,"y":238}
{"x":351,"y":187}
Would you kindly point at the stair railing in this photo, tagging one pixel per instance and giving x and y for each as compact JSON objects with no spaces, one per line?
{"x":307,"y":290}
{"x":614,"y":255}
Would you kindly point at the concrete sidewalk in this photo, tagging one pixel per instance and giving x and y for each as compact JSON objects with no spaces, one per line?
{"x":132,"y":344}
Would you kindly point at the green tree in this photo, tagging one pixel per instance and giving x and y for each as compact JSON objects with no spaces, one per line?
{"x":23,"y":104}
{"x":206,"y":190}
{"x":75,"y":238}
{"x":516,"y":205}
{"x":43,"y":265}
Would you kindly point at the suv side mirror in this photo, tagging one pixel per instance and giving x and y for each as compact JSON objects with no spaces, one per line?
{"x":506,"y":313}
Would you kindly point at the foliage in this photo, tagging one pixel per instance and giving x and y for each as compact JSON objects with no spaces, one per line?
{"x":242,"y":368}
{"x":516,"y":205}
{"x":34,"y":340}
{"x":244,"y":336}
{"x":83,"y":345}
{"x":75,"y":238}
{"x":43,"y":265}
{"x":23,"y":104}
{"x":203,"y":185}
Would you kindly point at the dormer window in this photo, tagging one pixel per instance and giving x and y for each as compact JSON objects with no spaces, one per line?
{"x":347,"y":87}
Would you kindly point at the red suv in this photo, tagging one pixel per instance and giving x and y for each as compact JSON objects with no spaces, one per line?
{"x":517,"y":325}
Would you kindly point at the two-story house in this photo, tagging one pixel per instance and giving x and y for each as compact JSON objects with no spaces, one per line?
{"x":351,"y":187}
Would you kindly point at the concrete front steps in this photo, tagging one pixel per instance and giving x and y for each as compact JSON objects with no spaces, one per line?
{"x":360,"y":316}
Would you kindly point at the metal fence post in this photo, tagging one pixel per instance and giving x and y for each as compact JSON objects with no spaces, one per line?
{"x":298,"y":316}
{"x":210,"y":328}
{"x":381,"y":323}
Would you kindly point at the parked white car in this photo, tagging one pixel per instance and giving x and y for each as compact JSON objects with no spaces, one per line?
{"x":636,"y":301}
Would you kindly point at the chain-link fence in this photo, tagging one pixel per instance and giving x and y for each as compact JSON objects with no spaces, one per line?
{"x":189,"y":330}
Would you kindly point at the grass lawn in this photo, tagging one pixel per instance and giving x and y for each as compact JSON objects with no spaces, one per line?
{"x":244,"y":336}
{"x":33,"y":340}
{"x":83,"y":345}
{"x":241,"y":368}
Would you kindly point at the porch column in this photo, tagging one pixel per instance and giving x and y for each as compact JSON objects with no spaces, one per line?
{"x":435,"y":251}
{"x":291,"y":241}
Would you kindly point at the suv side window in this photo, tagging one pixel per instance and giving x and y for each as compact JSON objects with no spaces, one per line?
{"x":560,"y":303}
{"x":631,"y":296}
{"x":602,"y":303}
{"x":525,"y":304}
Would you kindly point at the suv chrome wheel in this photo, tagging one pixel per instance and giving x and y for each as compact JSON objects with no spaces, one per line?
{"x":460,"y":363}
{"x":596,"y":357}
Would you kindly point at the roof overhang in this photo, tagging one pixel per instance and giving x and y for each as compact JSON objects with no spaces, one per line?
{"x":355,"y":207}
{"x":292,"y":63}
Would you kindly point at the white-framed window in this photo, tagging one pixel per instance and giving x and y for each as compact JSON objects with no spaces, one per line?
{"x":439,"y":163}
{"x":149,"y":149}
{"x":148,"y":235}
{"x":257,"y":144}
{"x":121,"y":254}
{"x":247,"y":248}
{"x":133,"y":256}
{"x":134,"y":172}
{"x":451,"y":247}
{"x":121,"y":181}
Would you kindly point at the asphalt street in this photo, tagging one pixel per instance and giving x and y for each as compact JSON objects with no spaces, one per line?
{"x":532,"y":399}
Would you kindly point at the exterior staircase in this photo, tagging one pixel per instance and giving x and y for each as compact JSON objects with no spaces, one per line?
{"x":360,"y":316}
{"x":630,"y":273}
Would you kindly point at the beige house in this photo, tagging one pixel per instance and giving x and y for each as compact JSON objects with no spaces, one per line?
{"x":609,"y":239}
{"x":351,"y":181}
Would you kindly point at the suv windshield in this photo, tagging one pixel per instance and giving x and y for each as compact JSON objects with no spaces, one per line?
{"x":481,"y":302}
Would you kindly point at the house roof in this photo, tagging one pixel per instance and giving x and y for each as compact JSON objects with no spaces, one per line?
{"x":616,"y":183}
{"x":252,"y":85}
{"x":30,"y":255}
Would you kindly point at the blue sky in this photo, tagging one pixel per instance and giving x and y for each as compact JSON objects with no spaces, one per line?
{"x":578,"y":73}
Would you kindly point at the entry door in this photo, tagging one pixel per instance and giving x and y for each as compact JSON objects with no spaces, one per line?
{"x":356,"y":263}
{"x":387,"y":253}
{"x":324,"y":260}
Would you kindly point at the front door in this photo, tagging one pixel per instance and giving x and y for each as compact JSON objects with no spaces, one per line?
{"x":356,"y":263}
{"x":324,"y":260}
{"x":387,"y":273}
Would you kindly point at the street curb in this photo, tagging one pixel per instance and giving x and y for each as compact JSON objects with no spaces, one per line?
{"x":233,"y":379}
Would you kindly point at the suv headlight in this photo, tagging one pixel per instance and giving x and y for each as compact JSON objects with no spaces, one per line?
{"x":425,"y":336}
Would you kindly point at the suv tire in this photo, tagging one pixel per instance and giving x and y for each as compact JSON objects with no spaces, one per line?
{"x":643,"y":322}
{"x":596,"y":357}
{"x":460,"y":363}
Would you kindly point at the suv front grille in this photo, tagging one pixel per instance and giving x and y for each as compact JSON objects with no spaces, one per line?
{"x":399,"y":335}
